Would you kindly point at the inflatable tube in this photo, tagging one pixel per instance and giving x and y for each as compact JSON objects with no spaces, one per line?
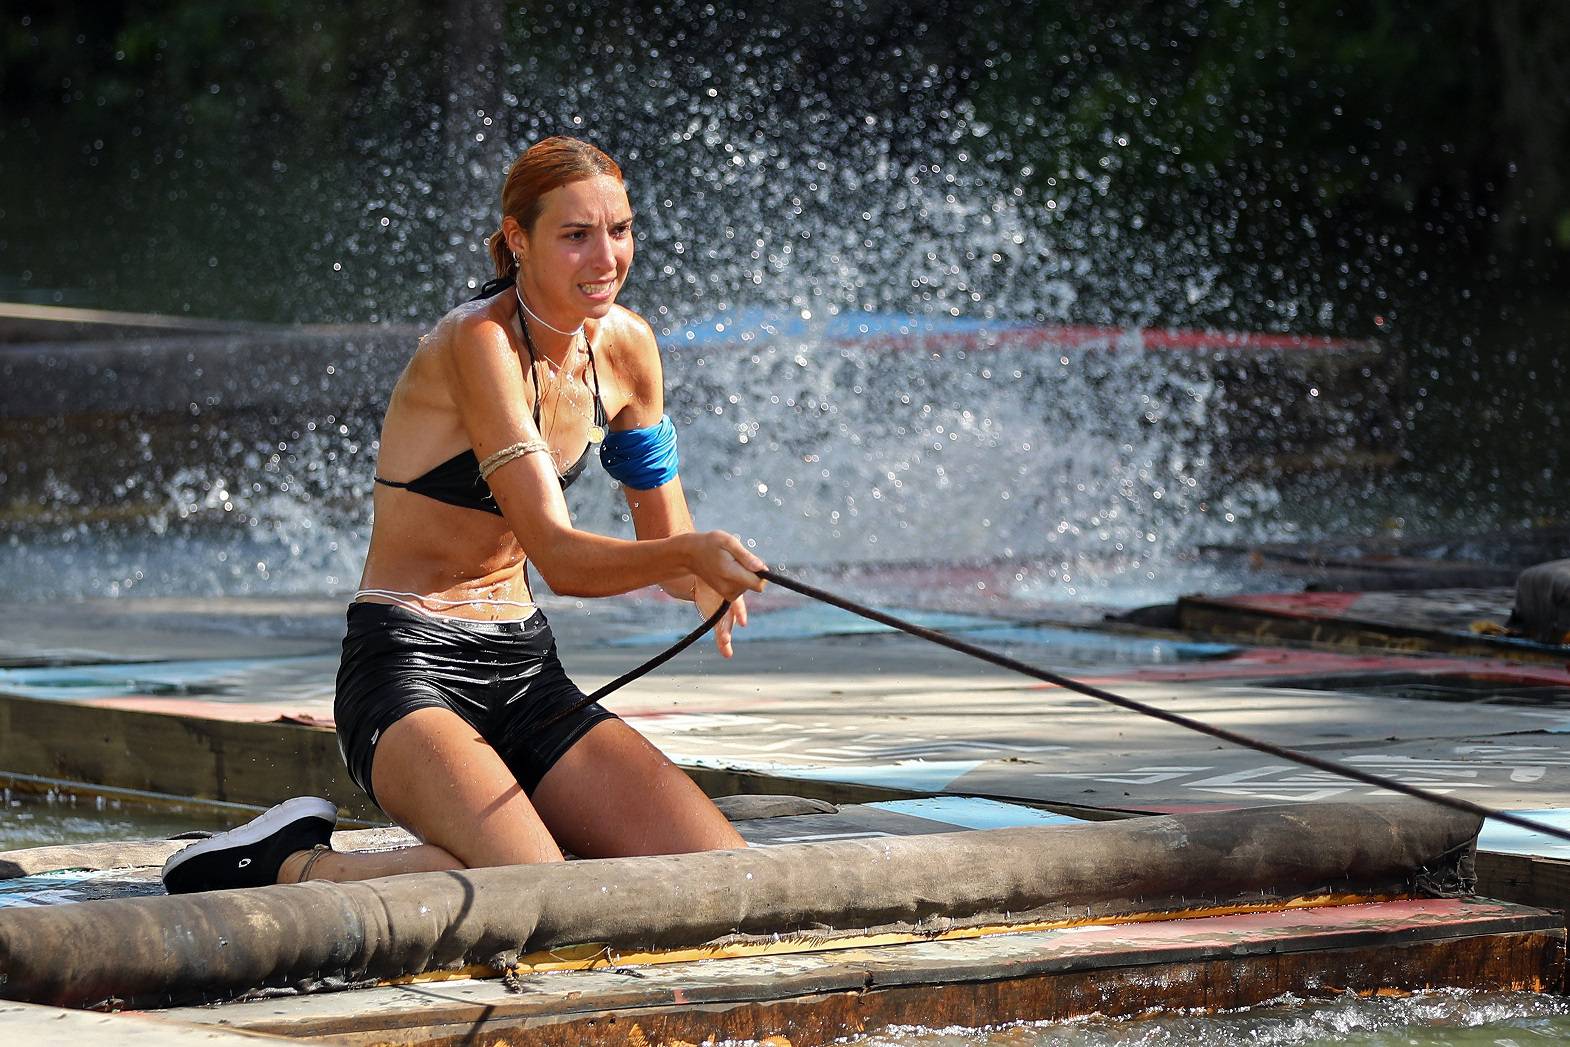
{"x":147,"y":951}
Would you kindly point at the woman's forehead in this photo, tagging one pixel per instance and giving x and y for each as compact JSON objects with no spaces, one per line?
{"x":597,"y":200}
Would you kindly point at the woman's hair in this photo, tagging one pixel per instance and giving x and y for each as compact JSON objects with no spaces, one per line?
{"x":545,"y":165}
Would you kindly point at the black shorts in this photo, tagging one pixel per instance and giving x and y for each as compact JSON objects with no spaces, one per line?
{"x":503,"y":678}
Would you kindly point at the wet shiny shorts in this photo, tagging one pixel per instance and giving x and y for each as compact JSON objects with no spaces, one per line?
{"x":503,"y":678}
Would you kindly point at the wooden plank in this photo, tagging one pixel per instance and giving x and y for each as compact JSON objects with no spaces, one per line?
{"x":1117,"y":992}
{"x":38,"y":785}
{"x":1525,"y":879}
{"x":257,"y":764}
{"x":234,"y":762}
{"x":172,"y":758}
{"x":1223,"y":620}
{"x":1214,"y":962}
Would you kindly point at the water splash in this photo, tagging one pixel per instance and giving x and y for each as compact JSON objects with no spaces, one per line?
{"x":772,"y":177}
{"x":1430,"y":1019}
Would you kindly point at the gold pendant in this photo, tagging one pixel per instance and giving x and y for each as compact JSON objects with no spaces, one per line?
{"x":596,"y":434}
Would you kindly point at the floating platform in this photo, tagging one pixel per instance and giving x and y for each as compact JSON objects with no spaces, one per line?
{"x":1463,"y":621}
{"x":1118,"y":971}
{"x":911,"y":742}
{"x":236,"y":706}
{"x":807,"y":935}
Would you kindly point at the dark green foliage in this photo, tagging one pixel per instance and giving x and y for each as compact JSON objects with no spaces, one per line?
{"x":252,"y":138}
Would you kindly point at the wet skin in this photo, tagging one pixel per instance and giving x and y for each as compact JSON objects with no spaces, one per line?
{"x":466,"y":386}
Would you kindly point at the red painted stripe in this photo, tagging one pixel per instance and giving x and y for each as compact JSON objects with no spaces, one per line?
{"x":1312,"y":605}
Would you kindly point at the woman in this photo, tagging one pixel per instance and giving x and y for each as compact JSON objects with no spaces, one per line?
{"x":453,"y":711}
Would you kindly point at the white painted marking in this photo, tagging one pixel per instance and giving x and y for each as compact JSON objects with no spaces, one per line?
{"x":1135,"y":776}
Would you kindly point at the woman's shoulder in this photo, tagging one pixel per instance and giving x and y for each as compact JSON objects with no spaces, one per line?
{"x":471,"y":324}
{"x":626,"y":339}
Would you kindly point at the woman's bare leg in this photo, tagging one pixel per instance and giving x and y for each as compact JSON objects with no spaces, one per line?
{"x":437,"y":778}
{"x":344,"y":866}
{"x":614,"y":794}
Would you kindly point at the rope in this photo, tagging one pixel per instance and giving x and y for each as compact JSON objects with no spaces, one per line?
{"x":652,"y":664}
{"x":1317,"y":763}
{"x":640,"y":670}
{"x":1341,"y":770}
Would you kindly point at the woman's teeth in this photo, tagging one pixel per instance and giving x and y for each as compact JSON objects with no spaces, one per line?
{"x":597,"y":289}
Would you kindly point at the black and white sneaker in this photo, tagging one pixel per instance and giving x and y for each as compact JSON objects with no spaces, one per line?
{"x":251,"y":855}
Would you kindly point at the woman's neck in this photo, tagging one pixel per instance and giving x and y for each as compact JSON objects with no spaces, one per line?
{"x":551,"y":339}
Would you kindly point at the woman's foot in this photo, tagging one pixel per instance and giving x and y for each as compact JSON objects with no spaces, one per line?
{"x":253,"y":854}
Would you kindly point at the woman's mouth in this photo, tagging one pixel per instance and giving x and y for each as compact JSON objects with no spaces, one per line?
{"x":600,"y":290}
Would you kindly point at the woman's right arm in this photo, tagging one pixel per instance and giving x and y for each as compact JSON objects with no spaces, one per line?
{"x":487,"y":384}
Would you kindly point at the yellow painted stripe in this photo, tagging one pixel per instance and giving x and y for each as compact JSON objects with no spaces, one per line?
{"x":599,"y":955}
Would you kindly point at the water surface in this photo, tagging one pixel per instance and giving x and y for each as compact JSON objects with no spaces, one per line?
{"x":1430,"y":1019}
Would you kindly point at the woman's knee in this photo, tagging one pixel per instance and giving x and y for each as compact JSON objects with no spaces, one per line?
{"x":615,"y":794}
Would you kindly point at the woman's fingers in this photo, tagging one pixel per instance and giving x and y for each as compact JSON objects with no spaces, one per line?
{"x":722,"y":636}
{"x":727,"y":566}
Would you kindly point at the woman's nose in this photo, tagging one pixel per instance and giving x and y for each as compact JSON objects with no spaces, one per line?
{"x":603,"y":252}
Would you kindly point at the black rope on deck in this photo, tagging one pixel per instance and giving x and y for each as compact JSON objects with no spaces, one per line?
{"x":1048,"y":676}
{"x":1268,"y":748}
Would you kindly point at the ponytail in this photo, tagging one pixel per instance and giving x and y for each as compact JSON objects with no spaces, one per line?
{"x":501,"y":254}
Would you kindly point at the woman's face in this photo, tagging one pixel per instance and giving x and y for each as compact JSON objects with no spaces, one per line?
{"x":574,"y":260}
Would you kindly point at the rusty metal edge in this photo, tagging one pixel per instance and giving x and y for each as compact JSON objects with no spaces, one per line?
{"x":1531,"y":960}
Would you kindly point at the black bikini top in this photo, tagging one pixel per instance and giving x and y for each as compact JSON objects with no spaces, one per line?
{"x":457,"y":481}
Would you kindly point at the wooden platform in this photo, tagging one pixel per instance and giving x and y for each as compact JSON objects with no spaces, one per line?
{"x":1223,"y":961}
{"x":1441,"y":621}
{"x":873,"y":718}
{"x":867,"y":717}
{"x":805,"y":991}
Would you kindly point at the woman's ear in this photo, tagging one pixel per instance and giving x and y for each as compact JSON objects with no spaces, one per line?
{"x":517,"y":239}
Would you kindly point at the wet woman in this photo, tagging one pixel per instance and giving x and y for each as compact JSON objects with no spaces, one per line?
{"x":453,"y":711}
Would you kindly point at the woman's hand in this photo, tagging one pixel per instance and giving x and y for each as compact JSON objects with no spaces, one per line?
{"x":708,"y":602}
{"x":723,"y":564}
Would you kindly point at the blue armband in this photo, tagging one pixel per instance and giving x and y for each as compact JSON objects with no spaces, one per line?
{"x":642,"y":458}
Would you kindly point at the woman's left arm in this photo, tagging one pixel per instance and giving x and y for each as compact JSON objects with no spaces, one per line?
{"x":661,"y":511}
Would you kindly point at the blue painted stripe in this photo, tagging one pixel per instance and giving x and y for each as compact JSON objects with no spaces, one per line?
{"x":1507,"y":839}
{"x":1089,"y":642}
{"x":744,"y":326}
{"x":810,"y":620}
{"x":975,"y":813}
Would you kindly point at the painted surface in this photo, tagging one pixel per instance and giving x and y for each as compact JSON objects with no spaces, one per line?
{"x":970,"y":812}
{"x":741,"y":328}
{"x":808,"y":620}
{"x":890,"y":711}
{"x":927,"y":964}
{"x":1508,"y":839}
{"x":77,"y":885}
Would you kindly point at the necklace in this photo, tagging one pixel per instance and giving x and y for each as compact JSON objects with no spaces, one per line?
{"x":595,"y":433}
{"x":559,"y":382}
{"x":539,"y":320}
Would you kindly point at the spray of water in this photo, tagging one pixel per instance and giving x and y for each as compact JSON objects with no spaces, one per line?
{"x":788,"y":206}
